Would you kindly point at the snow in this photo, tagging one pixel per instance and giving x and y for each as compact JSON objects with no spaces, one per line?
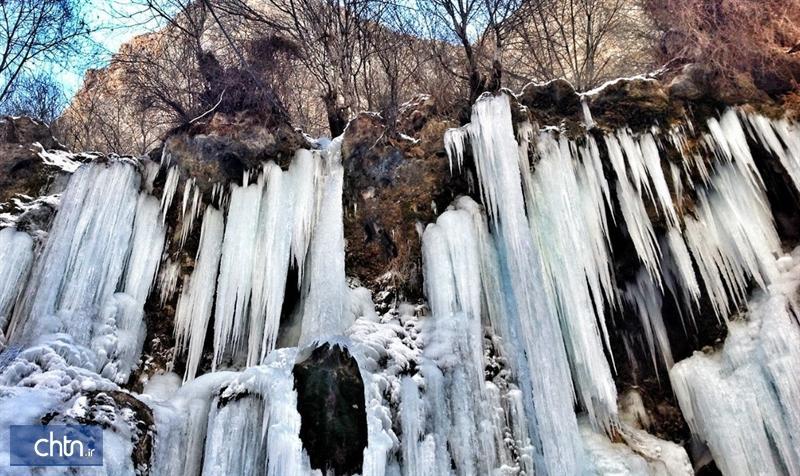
{"x":59,"y":158}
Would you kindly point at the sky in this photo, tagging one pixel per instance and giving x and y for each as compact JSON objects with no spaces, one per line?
{"x":117,"y":21}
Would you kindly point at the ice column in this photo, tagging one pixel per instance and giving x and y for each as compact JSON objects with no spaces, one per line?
{"x":85,"y":254}
{"x":16,"y":255}
{"x":235,"y":271}
{"x":197,"y":299}
{"x":496,"y":155}
{"x":565,"y":223}
{"x":742,"y":401}
{"x":324,"y":286}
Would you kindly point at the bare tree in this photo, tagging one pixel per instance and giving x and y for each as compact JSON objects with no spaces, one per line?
{"x":583,"y":41}
{"x":37,"y":95}
{"x":38,"y":31}
{"x":475,"y":26}
{"x":331,"y":45}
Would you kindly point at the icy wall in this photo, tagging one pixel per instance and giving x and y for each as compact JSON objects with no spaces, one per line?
{"x":508,"y":367}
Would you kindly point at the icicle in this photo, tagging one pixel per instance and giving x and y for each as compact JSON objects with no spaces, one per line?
{"x":147,"y":245}
{"x":151,"y":170}
{"x":235,"y":271}
{"x":187,"y":220}
{"x":565,"y":225}
{"x":496,"y":155}
{"x":453,"y":338}
{"x":729,"y":140}
{"x":678,"y":273}
{"x":454,"y":143}
{"x":271,"y":263}
{"x":16,"y":256}
{"x":260,"y":406}
{"x":733,"y":238}
{"x":84,"y":257}
{"x":195,"y":303}
{"x":304,"y":172}
{"x":742,"y":401}
{"x":324,"y":285}
{"x":645,"y":299}
{"x":170,"y":186}
{"x":782,"y":138}
{"x":168,"y":281}
{"x":118,"y":336}
{"x":587,"y":114}
{"x":640,"y":229}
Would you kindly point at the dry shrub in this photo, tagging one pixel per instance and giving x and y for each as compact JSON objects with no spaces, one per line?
{"x":758,"y":38}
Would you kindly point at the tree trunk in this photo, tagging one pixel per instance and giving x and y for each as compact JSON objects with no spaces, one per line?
{"x":337,"y":115}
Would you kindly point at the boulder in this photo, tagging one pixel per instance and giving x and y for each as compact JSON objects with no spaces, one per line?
{"x":330,"y":400}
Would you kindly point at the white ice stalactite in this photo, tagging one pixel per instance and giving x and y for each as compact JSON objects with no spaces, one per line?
{"x":324,"y":286}
{"x":645,"y":299}
{"x":454,"y":141}
{"x":728,"y":140}
{"x":181,"y":418}
{"x":168,"y":280}
{"x":85,"y":254}
{"x":235,"y":271}
{"x":195,"y":304}
{"x":305,"y":174}
{"x":782,"y":138}
{"x":170,"y":187}
{"x":742,"y":400}
{"x":254,"y":426}
{"x":631,"y":201}
{"x":563,"y":214}
{"x":147,"y":245}
{"x":190,"y":209}
{"x":453,"y":364}
{"x":119,"y":334}
{"x":271,"y":263}
{"x":117,"y":337}
{"x":679,"y":276}
{"x":733,"y":238}
{"x":16,"y":256}
{"x":496,"y":154}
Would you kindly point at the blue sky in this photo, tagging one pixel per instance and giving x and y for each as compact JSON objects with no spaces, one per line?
{"x":118,"y":22}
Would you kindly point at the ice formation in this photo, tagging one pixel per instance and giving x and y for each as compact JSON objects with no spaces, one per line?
{"x":487,"y":375}
{"x":16,"y":255}
{"x":195,"y":303}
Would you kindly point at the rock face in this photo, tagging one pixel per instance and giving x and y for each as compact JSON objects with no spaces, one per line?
{"x":22,"y":171}
{"x":330,"y":400}
{"x":394,"y":186}
{"x":222,"y":148}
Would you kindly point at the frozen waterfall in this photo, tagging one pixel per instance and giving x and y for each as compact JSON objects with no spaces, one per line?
{"x":582,"y":254}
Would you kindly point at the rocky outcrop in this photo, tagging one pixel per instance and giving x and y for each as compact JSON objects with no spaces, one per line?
{"x":22,"y":170}
{"x":220,"y":149}
{"x":395,"y":184}
{"x":330,"y":400}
